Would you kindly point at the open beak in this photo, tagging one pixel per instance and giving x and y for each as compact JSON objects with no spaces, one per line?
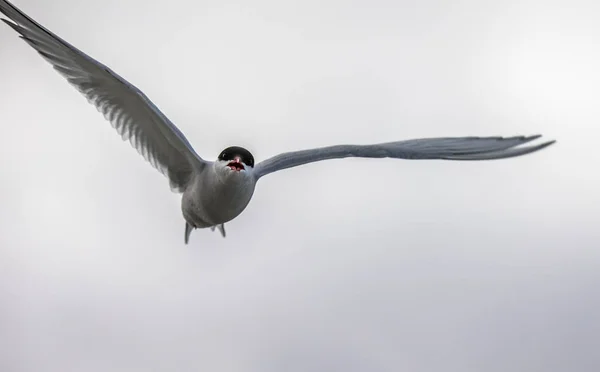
{"x":236,"y":164}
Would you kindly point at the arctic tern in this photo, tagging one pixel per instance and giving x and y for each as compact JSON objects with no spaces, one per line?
{"x":217,"y":192}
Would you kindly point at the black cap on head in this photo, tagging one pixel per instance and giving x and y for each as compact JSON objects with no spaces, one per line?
{"x":231,"y":152}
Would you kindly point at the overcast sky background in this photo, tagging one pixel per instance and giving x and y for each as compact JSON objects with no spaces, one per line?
{"x":351,"y":265}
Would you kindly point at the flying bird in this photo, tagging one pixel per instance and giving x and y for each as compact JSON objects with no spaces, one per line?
{"x":216,"y":192}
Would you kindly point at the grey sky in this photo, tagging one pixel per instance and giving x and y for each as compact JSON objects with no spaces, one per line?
{"x":353,"y":265}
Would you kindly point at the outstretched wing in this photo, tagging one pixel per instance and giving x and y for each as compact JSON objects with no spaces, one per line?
{"x":129,"y":111}
{"x":460,"y":148}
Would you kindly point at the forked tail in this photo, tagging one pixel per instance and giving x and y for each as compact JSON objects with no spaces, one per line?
{"x":189,"y":228}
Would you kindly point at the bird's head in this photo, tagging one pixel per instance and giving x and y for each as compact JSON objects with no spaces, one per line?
{"x":235,"y":160}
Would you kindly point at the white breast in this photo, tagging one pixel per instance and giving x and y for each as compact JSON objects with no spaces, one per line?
{"x":217,"y":196}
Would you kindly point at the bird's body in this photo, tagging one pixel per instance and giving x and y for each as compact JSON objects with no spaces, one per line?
{"x":216,"y":195}
{"x":217,"y":192}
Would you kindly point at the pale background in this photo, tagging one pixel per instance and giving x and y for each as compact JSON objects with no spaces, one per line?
{"x":351,"y":265}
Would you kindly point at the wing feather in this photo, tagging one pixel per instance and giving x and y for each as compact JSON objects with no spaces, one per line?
{"x":449,"y":148}
{"x":130,"y":112}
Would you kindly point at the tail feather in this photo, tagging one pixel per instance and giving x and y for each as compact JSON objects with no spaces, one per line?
{"x":221,"y":228}
{"x":189,"y":228}
{"x":188,"y":231}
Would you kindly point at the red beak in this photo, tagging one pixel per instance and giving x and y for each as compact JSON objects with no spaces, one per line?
{"x":236,"y":164}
